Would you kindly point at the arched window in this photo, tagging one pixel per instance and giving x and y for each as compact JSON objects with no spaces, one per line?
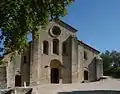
{"x":45,"y":47}
{"x":56,"y":46}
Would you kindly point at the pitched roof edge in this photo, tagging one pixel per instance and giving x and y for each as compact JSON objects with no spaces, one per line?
{"x":64,"y":24}
{"x":88,"y":46}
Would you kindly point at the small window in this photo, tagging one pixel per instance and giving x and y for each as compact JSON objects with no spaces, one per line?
{"x":45,"y":47}
{"x":56,"y":46}
{"x":25,"y":59}
{"x":85,"y":55}
{"x":64,"y":48}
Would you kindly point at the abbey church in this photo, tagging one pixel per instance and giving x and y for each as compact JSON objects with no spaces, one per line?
{"x":60,"y":58}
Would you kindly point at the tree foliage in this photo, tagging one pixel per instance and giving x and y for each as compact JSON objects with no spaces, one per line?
{"x":111,"y":63}
{"x":107,"y":60}
{"x":18,"y":18}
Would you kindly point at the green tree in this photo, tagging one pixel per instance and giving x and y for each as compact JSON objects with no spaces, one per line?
{"x":111,"y":63}
{"x":107,"y":60}
{"x":18,"y":18}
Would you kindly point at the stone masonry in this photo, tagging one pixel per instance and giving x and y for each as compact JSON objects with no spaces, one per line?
{"x":59,"y":58}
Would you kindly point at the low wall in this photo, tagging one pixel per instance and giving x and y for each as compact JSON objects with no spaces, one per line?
{"x":3,"y":80}
{"x":21,"y":90}
{"x":6,"y":91}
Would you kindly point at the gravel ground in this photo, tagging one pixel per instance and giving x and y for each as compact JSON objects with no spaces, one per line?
{"x":106,"y":84}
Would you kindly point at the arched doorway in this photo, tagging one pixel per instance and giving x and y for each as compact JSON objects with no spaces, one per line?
{"x":55,"y":66}
{"x":18,"y":80}
{"x":85,"y":75}
{"x":54,"y":75}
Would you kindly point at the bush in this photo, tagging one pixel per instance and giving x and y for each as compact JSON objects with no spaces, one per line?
{"x":114,"y":72}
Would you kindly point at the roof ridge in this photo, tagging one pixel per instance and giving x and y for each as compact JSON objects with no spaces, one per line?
{"x":88,"y":46}
{"x":64,"y":24}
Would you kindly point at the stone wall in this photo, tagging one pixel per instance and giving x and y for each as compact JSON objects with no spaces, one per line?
{"x":11,"y":74}
{"x":92,"y":70}
{"x":89,"y":64}
{"x":80,"y":63}
{"x":6,"y":91}
{"x":38,"y":72}
{"x":74,"y":59}
{"x":23,"y":90}
{"x":16,"y":91}
{"x":3,"y":81}
{"x":99,"y":69}
{"x":25,"y":68}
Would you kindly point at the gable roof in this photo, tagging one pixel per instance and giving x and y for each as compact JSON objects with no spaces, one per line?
{"x":69,"y":27}
{"x":87,"y":46}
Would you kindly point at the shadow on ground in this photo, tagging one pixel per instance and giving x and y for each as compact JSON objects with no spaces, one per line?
{"x":92,"y":92}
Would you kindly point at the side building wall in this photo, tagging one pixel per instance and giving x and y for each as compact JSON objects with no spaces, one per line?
{"x":91,"y":64}
{"x":3,"y":77}
{"x":13,"y":69}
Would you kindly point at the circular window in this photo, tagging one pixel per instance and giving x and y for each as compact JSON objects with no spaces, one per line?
{"x":55,"y":31}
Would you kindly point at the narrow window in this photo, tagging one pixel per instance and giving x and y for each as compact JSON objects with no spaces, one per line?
{"x":64,"y":48}
{"x":45,"y":47}
{"x":85,"y":55}
{"x":25,"y":59}
{"x":56,"y":46}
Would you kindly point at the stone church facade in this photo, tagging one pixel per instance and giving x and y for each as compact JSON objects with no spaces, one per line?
{"x":62,"y":58}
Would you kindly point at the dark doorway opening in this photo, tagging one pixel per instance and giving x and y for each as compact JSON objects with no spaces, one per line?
{"x":18,"y":80}
{"x":54,"y":75}
{"x":85,"y":75}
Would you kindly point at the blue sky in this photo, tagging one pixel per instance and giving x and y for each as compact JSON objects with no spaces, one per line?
{"x":97,"y":22}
